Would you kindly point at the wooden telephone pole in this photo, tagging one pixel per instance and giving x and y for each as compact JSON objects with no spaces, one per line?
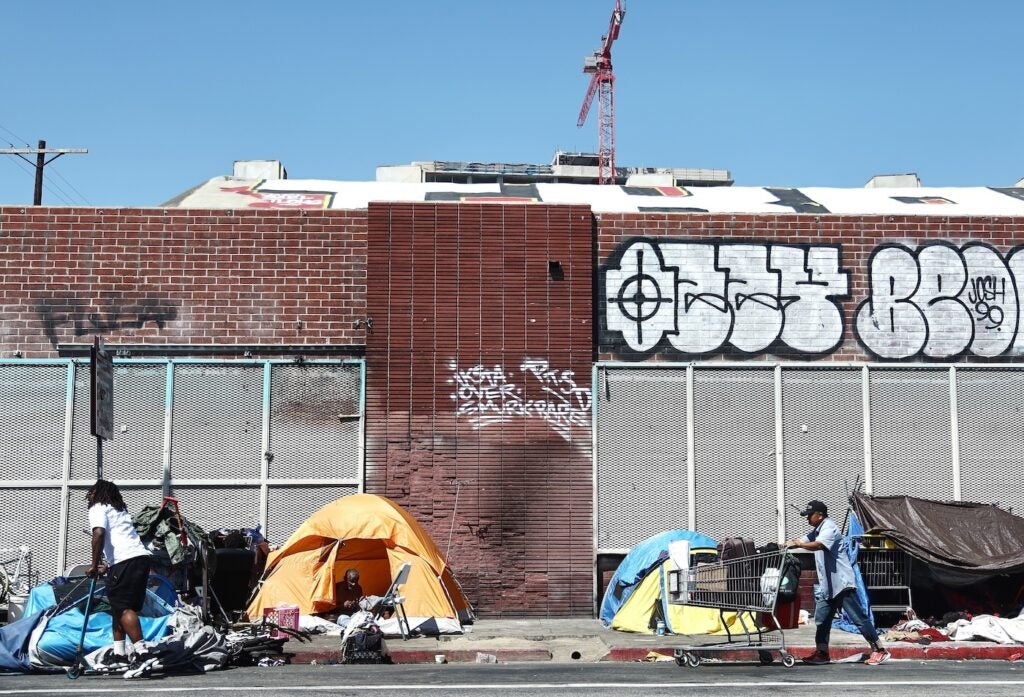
{"x":41,"y":152}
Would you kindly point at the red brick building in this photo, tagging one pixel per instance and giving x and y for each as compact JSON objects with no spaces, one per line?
{"x":541,"y":384}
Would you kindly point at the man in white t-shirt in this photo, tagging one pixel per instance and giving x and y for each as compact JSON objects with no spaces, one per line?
{"x":128,"y":564}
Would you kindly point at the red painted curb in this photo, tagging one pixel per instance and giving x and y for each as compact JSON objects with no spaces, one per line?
{"x":933,"y":652}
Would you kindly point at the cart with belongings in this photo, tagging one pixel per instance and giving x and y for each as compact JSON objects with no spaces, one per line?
{"x":747,"y":584}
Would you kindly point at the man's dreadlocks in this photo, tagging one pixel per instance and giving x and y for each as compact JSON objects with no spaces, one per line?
{"x":107,"y":492}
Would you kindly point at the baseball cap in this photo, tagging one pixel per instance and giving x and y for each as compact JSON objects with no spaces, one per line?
{"x":814,"y":506}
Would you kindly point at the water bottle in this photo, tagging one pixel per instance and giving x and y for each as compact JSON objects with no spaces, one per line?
{"x":661,"y":628}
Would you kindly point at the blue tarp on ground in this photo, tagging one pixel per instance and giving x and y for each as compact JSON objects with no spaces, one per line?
{"x":639,"y":562}
{"x":14,"y":644}
{"x":58,"y":641}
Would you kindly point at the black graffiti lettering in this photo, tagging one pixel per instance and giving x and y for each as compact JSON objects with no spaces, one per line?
{"x":69,"y":311}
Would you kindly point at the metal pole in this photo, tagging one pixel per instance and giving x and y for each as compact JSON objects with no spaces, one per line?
{"x":37,"y":197}
{"x":99,"y":457}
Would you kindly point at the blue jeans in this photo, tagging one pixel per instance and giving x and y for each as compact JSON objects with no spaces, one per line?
{"x":825,"y":610}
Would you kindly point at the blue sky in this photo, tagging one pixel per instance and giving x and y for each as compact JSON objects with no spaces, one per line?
{"x":794,"y":93}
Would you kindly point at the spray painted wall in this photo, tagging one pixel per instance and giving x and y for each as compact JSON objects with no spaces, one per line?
{"x":478,"y":392}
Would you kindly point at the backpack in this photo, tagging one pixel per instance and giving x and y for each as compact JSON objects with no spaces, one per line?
{"x":366,"y":639}
{"x":789,"y":578}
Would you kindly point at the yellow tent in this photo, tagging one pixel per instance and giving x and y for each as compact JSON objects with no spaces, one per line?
{"x":375,"y":536}
{"x":636,"y":613}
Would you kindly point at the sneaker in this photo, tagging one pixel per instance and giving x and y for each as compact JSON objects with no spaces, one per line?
{"x":878,"y":657}
{"x":818,"y":658}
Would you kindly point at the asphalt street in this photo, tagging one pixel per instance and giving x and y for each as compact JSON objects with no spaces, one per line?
{"x":895,"y":679}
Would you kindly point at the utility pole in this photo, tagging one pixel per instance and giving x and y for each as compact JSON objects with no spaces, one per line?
{"x":41,"y":152}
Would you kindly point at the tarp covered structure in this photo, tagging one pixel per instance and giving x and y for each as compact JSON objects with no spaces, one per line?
{"x":958,"y":540}
{"x":375,"y":536}
{"x":637,"y":593}
{"x":48,"y":634}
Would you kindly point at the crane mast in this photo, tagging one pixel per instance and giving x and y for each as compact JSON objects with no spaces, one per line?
{"x":602,"y":85}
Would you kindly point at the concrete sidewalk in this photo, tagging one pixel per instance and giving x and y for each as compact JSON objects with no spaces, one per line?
{"x":584,"y":640}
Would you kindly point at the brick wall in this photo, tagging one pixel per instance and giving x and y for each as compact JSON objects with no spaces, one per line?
{"x":168,"y":276}
{"x":478,"y":383}
{"x":479,"y":359}
{"x":968,"y":264}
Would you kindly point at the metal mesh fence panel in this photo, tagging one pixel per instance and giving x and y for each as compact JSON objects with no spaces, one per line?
{"x":136,"y":451}
{"x":32,"y":517}
{"x":33,"y":402}
{"x":288,"y":507}
{"x":218,"y":421}
{"x":734,"y":451}
{"x":911,"y":441}
{"x":990,"y":405}
{"x":641,"y":468}
{"x":314,"y":421}
{"x":212,"y":507}
{"x":822,"y":439}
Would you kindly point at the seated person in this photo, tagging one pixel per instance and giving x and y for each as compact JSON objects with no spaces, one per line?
{"x":350,"y":598}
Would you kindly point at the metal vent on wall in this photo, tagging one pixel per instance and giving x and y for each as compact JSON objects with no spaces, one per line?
{"x":218,"y":424}
{"x":642,"y":451}
{"x":990,"y":405}
{"x":33,"y":400}
{"x":136,"y":452}
{"x":911,"y":441}
{"x":734,"y":453}
{"x":823,"y":439}
{"x":317,"y":421}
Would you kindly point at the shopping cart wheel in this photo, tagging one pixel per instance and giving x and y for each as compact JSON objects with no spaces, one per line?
{"x":765,"y":657}
{"x":692,"y":659}
{"x":788,"y":660}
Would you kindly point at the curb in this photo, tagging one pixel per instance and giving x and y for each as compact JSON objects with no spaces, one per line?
{"x":931,"y":652}
{"x":406,"y":656}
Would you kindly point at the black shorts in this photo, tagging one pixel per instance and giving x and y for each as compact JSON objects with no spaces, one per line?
{"x":126,"y":584}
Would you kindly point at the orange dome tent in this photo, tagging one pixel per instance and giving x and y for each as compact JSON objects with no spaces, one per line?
{"x":375,"y":536}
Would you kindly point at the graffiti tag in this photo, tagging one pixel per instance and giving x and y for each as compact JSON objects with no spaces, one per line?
{"x":940,"y":301}
{"x":706,"y":297}
{"x":112,"y":316}
{"x":490,"y":395}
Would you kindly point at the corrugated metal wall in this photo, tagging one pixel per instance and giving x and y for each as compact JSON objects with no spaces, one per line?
{"x":478,"y":393}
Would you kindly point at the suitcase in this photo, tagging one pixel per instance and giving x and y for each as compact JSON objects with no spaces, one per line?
{"x":740,"y":581}
{"x":734,"y":547}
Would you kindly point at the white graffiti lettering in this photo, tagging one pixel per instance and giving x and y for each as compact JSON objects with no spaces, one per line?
{"x":940,"y":301}
{"x":489,"y":395}
{"x":705,"y":297}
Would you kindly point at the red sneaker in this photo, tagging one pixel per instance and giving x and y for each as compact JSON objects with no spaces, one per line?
{"x":818,"y":658}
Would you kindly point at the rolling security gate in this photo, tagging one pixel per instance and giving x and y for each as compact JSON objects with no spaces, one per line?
{"x":729,"y":449}
{"x":237,"y":442}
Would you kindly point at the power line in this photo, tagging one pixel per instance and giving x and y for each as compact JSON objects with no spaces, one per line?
{"x":71,"y":186}
{"x":4,"y":128}
{"x":41,"y":152}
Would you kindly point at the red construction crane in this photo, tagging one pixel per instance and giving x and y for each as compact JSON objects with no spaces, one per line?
{"x":603,"y":84}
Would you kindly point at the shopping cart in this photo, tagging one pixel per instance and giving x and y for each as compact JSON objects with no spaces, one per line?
{"x":748,"y":586}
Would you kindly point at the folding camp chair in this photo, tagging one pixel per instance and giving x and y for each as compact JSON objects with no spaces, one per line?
{"x":393,"y":599}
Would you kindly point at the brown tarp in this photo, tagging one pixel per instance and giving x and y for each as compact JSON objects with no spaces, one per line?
{"x":972,"y":539}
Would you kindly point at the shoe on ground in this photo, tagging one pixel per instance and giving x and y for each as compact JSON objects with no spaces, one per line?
{"x":818,"y":658}
{"x":878,"y":657}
